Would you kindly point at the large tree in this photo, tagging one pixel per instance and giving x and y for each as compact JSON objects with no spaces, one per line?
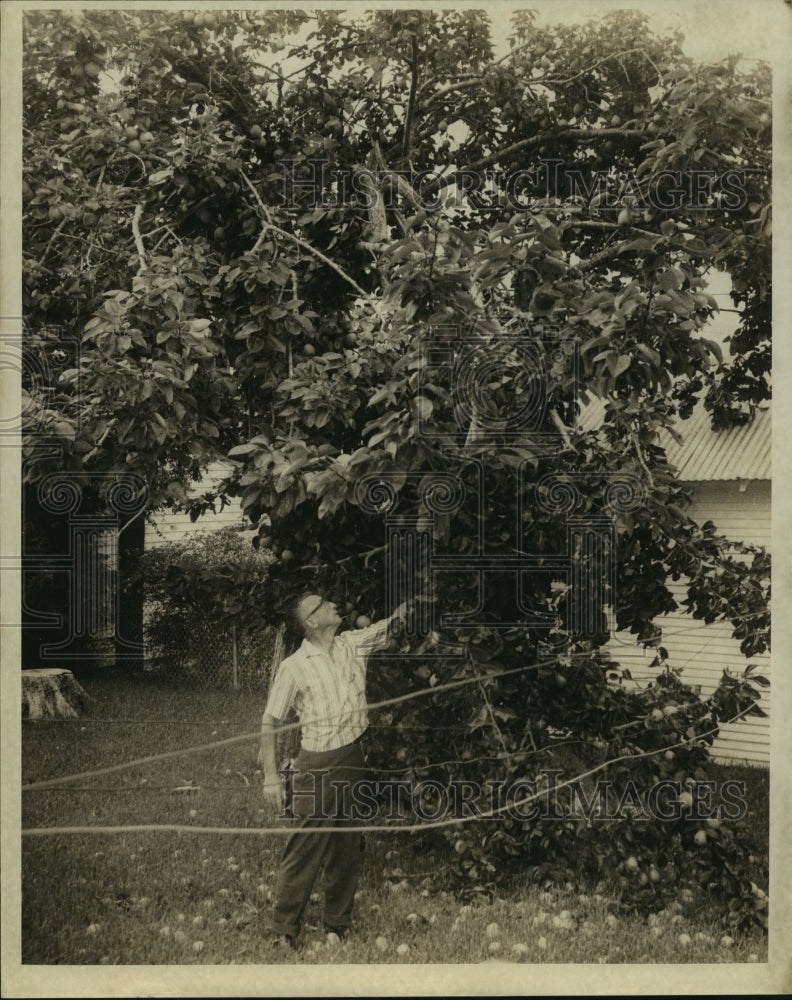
{"x":391,"y":272}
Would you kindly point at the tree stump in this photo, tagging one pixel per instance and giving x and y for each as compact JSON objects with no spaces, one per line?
{"x":50,"y":693}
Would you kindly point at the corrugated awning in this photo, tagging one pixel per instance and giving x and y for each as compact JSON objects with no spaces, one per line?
{"x":705,"y":455}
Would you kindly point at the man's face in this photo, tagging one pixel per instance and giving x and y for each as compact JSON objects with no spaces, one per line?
{"x":316,"y":612}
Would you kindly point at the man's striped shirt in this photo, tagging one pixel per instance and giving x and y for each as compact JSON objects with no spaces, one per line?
{"x":328,"y":693}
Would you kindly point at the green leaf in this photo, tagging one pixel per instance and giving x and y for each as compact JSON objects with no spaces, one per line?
{"x":714,"y":348}
{"x":160,"y":176}
{"x":618,"y":363}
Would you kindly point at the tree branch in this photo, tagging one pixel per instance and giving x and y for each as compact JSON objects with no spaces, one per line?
{"x":300,"y":242}
{"x":138,"y":238}
{"x":641,"y":460}
{"x":411,"y":102}
{"x":563,"y":430}
{"x":507,"y":152}
{"x":587,"y":69}
{"x":51,"y":240}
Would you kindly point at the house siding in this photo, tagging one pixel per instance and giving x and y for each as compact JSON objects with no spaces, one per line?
{"x":169,"y":526}
{"x":741,"y":511}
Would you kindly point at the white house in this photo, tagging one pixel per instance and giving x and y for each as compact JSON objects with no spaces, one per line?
{"x":729,"y":473}
{"x":170,"y":526}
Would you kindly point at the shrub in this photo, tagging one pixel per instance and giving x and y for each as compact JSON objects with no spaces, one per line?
{"x":198,"y":592}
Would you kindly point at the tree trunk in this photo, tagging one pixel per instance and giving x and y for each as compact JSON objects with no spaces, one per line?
{"x":129,"y":626}
{"x":51,"y":693}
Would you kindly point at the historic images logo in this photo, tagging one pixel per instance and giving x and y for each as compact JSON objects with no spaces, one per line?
{"x":314,"y":183}
{"x":548,"y":796}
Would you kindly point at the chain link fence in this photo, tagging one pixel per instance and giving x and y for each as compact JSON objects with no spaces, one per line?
{"x":202,"y":654}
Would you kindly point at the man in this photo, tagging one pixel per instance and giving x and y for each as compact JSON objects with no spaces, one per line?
{"x":324,"y":681}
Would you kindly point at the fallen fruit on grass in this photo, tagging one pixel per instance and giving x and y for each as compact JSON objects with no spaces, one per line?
{"x":654,"y":875}
{"x":713,"y":822}
{"x":631,"y":864}
{"x":362,"y":621}
{"x":494,"y":946}
{"x":381,"y":943}
{"x":402,"y":949}
{"x":700,"y":837}
{"x":493,"y":930}
{"x":309,"y":350}
{"x":657,"y":716}
{"x":685,"y":800}
{"x":726,"y":941}
{"x":684,"y":940}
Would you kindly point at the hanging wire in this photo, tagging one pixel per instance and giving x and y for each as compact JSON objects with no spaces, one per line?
{"x":371,"y":828}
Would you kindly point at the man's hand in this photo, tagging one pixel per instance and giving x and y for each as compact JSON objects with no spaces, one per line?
{"x":273,"y":791}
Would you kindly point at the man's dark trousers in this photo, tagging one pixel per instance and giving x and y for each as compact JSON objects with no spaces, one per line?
{"x":315,"y":796}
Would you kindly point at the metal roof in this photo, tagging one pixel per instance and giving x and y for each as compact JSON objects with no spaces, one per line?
{"x":735,"y":453}
{"x":710,"y":456}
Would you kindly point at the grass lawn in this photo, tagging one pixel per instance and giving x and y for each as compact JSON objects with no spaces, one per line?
{"x":167,"y":898}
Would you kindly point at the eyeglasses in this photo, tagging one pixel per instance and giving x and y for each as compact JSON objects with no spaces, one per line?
{"x":322,"y":601}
